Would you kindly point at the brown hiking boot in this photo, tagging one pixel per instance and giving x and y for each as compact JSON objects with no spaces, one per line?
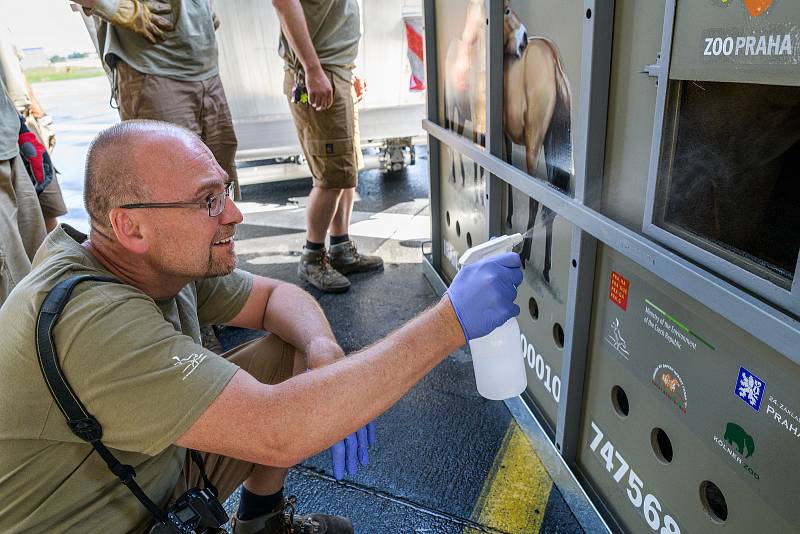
{"x":284,"y":521}
{"x":315,"y":269}
{"x":346,"y":259}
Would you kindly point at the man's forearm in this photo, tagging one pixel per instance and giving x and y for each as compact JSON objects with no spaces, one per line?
{"x":293,"y":24}
{"x":269,"y":424}
{"x":361,"y":387}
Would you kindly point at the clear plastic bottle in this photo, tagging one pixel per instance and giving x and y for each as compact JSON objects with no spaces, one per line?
{"x":497,"y":356}
{"x":498,"y":364}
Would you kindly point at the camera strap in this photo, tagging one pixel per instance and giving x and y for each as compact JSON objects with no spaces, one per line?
{"x":80,"y":421}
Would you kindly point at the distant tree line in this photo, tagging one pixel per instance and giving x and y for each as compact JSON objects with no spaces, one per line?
{"x":74,"y":55}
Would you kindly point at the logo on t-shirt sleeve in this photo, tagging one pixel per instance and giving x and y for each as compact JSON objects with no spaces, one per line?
{"x":189,"y":363}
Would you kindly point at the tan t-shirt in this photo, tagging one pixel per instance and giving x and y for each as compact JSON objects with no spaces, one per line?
{"x":188,"y":53}
{"x":335,"y":29}
{"x":136,"y":365}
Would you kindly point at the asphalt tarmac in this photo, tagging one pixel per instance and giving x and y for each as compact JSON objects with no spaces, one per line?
{"x":442,"y":448}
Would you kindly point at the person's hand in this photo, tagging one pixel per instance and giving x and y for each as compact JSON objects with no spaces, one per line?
{"x":352,"y":450}
{"x":320,"y":91}
{"x":360,"y":85}
{"x":483,"y":293}
{"x":148,"y":18}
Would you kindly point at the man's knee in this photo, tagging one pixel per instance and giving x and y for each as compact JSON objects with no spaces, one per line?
{"x":269,"y":359}
{"x":328,"y":194}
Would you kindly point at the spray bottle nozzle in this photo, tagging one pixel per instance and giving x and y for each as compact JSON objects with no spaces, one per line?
{"x":498,"y":245}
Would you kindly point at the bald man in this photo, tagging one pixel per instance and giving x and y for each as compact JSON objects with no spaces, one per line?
{"x":163,"y":225}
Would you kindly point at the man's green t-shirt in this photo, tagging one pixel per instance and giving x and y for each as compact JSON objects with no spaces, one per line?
{"x":138,"y":367}
{"x":188,"y":53}
{"x":335,"y":29}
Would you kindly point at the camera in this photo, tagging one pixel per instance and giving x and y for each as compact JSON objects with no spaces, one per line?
{"x":195,"y":512}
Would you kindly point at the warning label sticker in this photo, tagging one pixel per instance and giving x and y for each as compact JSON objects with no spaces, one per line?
{"x":618,"y":290}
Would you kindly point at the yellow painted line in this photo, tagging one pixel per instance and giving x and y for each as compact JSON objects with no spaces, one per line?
{"x":517,"y":488}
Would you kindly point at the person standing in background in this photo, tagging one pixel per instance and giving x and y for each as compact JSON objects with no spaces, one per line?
{"x":19,"y":90}
{"x":164,"y":65}
{"x":319,"y":45}
{"x":22,"y":227}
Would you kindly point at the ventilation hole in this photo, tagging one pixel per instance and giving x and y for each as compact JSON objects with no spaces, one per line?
{"x":619,"y":399}
{"x":662,"y":446}
{"x":447,"y":217}
{"x":458,"y":229}
{"x":588,"y":13}
{"x":558,"y":335}
{"x":713,"y":501}
{"x":533,"y":308}
{"x":469,"y":240}
{"x":574,"y":264}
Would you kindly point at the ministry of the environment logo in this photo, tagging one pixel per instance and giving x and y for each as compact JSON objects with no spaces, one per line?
{"x":750,"y":388}
{"x":615,"y":339}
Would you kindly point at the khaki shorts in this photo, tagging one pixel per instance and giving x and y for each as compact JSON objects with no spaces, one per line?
{"x":200,"y":107}
{"x":270,"y":360}
{"x":330,"y":138}
{"x":22,"y":227}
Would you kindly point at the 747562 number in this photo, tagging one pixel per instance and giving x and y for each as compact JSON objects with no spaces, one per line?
{"x":651,"y":507}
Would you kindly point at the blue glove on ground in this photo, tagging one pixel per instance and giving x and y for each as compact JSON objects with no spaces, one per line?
{"x":483,"y":293}
{"x":352,"y":450}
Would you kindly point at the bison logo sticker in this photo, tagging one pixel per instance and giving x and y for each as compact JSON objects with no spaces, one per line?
{"x":738,"y":445}
{"x":735,"y":435}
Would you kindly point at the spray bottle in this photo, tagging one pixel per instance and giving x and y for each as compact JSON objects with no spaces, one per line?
{"x":497,"y":356}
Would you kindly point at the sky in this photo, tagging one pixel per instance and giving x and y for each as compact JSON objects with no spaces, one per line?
{"x":57,"y":29}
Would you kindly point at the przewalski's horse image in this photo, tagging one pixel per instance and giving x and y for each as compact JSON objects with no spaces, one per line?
{"x":536,"y":105}
{"x":465,"y":77}
{"x":536,"y":113}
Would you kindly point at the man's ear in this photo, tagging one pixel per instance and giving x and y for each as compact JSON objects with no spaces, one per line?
{"x":127,"y":229}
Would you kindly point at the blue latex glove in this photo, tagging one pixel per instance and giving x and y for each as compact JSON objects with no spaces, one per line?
{"x":483,"y":293}
{"x":352,"y":450}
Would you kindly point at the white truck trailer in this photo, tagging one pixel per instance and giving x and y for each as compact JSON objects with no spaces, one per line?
{"x":252,"y":72}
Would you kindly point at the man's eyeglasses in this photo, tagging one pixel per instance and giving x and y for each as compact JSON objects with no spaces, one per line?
{"x":214,"y":203}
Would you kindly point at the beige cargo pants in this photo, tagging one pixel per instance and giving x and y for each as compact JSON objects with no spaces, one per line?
{"x":200,"y":107}
{"x":22,"y":227}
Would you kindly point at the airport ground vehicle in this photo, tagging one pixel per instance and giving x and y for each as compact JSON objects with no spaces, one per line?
{"x":650,"y":149}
